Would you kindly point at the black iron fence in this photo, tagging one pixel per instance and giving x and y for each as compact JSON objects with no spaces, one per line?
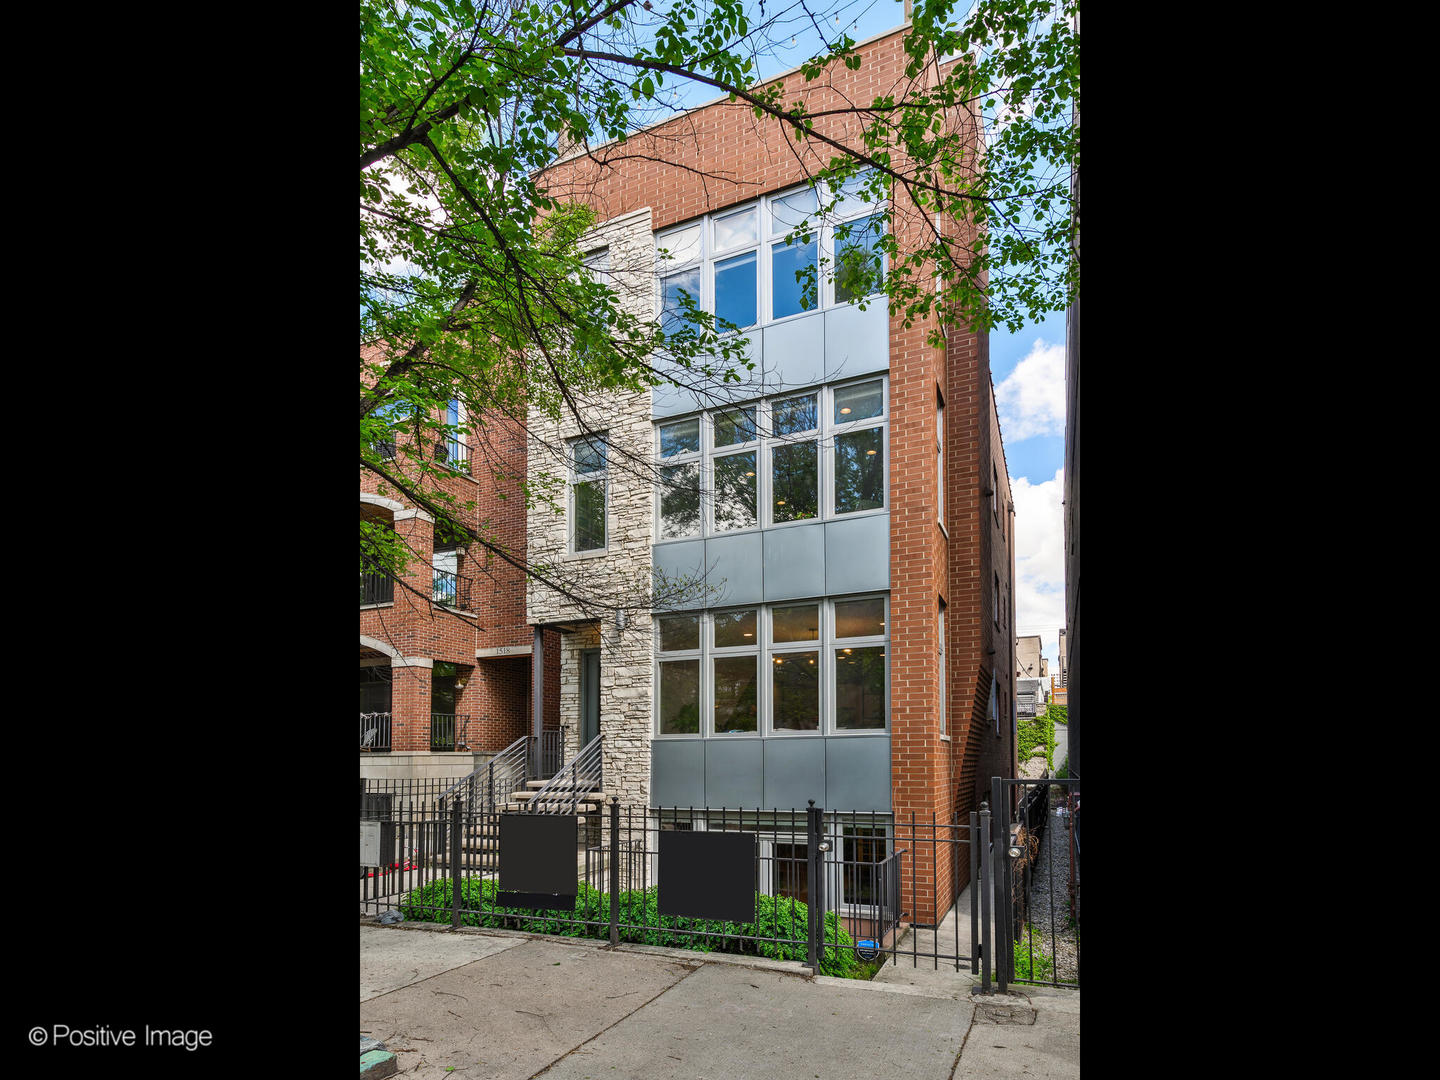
{"x":1037,"y":881}
{"x":448,"y":730}
{"x":834,"y":890}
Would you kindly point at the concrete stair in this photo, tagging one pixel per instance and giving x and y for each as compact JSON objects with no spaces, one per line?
{"x":480,"y":843}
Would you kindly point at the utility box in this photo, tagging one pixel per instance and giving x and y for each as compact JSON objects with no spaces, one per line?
{"x":377,"y":843}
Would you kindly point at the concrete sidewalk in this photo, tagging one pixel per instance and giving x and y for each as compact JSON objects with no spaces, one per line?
{"x":479,"y":1003}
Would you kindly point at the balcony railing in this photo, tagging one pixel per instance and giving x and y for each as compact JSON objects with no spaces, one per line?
{"x":453,"y":452}
{"x":376,"y":589}
{"x":444,"y":729}
{"x":451,"y":591}
{"x":375,"y":732}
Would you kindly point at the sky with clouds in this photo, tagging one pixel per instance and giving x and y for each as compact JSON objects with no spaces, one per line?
{"x":1028,"y":369}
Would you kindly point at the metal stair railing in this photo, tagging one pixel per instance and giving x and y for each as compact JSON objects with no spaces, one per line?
{"x":494,"y":781}
{"x":572,"y":784}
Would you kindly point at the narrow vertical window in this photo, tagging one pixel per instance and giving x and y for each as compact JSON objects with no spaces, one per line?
{"x":939,"y":459}
{"x":736,"y":279}
{"x":859,"y":447}
{"x":678,"y":673}
{"x":680,"y":481}
{"x":678,"y":254}
{"x":795,"y":461}
{"x":454,"y":450}
{"x":734,"y":469}
{"x":588,"y":484}
{"x":940,"y":663}
{"x":794,"y":283}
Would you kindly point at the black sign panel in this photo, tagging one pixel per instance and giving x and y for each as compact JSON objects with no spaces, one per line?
{"x":537,"y":861}
{"x":707,"y":875}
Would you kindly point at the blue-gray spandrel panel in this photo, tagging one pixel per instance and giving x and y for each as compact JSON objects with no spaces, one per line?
{"x":680,"y":562}
{"x":735,"y":566}
{"x":857,"y":773}
{"x":698,"y":391}
{"x":794,"y":772}
{"x":734,"y":770}
{"x":795,"y":561}
{"x":795,"y":353}
{"x":677,"y":772}
{"x":856,"y":342}
{"x":857,"y":554}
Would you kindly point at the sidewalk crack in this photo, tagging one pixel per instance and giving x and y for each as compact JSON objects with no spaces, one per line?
{"x":622,"y":1019}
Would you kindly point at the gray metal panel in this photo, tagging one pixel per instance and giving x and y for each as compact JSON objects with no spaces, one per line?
{"x":733,"y":772}
{"x":795,"y":353}
{"x":857,"y":554}
{"x":682,"y":560}
{"x":735,"y":566}
{"x":856,"y":342}
{"x":677,"y":772}
{"x":795,"y":561}
{"x":794,"y":772}
{"x":857,"y":773}
{"x":667,"y":400}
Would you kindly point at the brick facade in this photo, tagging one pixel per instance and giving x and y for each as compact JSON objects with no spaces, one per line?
{"x":415,"y":633}
{"x":708,"y":159}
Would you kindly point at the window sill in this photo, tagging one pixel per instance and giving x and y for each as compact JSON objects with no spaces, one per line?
{"x":595,"y":554}
{"x":372,"y":607}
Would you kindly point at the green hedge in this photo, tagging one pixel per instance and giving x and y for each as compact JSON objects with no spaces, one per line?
{"x":776,"y":917}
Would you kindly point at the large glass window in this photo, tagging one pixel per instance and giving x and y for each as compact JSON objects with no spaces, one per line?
{"x":588,"y":484}
{"x":775,"y":257}
{"x":785,"y":670}
{"x":761,"y":464}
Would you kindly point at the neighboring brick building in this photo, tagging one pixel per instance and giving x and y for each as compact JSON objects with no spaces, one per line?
{"x":445,"y":652}
{"x":844,"y":513}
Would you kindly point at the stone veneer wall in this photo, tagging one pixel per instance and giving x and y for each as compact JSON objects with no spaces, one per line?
{"x":627,"y":656}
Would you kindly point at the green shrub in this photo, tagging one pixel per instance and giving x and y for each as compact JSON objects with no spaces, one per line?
{"x":1037,"y":732}
{"x":1036,"y":966}
{"x":776,"y":917}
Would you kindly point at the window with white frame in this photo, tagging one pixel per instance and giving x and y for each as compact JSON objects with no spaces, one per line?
{"x":589,"y":481}
{"x":761,"y":464}
{"x":793,"y":668}
{"x":748,"y":265}
{"x":454,"y":450}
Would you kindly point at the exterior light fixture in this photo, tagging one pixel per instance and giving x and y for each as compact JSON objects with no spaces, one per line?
{"x":1014,"y":851}
{"x":824,"y":845}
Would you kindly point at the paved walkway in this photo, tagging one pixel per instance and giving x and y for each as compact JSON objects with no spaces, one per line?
{"x":500,"y":1004}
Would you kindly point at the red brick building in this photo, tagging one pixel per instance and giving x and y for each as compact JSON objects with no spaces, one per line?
{"x":446,"y":676}
{"x":844,"y":514}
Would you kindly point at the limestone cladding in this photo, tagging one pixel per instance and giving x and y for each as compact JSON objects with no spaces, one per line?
{"x":622,"y":568}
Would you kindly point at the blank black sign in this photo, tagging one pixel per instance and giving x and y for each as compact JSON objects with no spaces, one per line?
{"x":537,"y":861}
{"x":707,"y":875}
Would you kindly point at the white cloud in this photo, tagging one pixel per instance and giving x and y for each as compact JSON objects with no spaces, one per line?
{"x":1040,"y":562}
{"x":1031,"y":399}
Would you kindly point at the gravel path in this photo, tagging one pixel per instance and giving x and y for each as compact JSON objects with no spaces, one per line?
{"x":1051,"y":883}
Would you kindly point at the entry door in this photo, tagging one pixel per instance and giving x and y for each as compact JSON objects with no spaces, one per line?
{"x":589,"y":695}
